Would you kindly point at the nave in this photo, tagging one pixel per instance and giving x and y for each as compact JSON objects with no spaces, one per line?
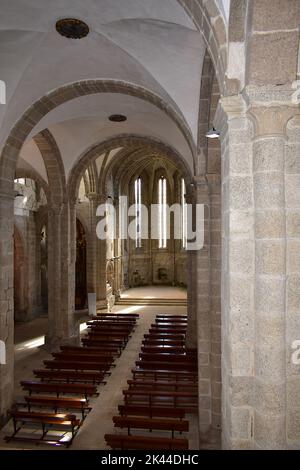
{"x":29,"y":356}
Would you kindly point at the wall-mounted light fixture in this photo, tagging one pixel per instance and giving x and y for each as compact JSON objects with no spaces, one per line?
{"x":212,"y":134}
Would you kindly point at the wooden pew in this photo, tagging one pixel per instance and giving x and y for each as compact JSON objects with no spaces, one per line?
{"x":99,"y":342}
{"x":60,"y":403}
{"x":154,"y":335}
{"x":118,"y":315}
{"x":72,"y":376}
{"x":108,"y":335}
{"x":130,"y":422}
{"x":162,"y":385}
{"x":168,"y":315}
{"x":92,"y":350}
{"x":80,"y":366}
{"x":111,"y":328}
{"x":168,"y":324}
{"x":166,"y":365}
{"x":163,"y":342}
{"x":162,"y":331}
{"x":59,"y":388}
{"x":166,"y":356}
{"x":161,"y":348}
{"x":108,"y":322}
{"x":171,"y":321}
{"x":151,"y":411}
{"x":66,"y":356}
{"x":181,"y":399}
{"x":161,"y":374}
{"x":46,"y":420}
{"x":120,"y":441}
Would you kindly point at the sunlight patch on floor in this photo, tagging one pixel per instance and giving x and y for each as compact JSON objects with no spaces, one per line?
{"x":34,"y":343}
{"x":130,"y":309}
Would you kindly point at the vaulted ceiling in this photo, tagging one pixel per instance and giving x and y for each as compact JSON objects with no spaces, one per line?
{"x":152,"y":44}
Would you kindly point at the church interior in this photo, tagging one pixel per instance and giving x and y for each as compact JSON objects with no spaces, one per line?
{"x":116,"y":331}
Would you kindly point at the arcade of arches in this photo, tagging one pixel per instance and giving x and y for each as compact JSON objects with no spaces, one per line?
{"x":174,"y":69}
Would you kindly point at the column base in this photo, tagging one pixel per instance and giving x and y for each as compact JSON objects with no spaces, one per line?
{"x":53,"y":343}
{"x":102,"y":304}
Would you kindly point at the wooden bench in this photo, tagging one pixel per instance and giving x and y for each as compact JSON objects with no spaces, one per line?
{"x":47,"y":421}
{"x":68,"y":376}
{"x":70,"y":365}
{"x":172,"y":331}
{"x":156,"y":397}
{"x":162,"y":385}
{"x":151,"y":411}
{"x":102,"y":342}
{"x":92,"y":350}
{"x":173,"y":321}
{"x":60,"y":403}
{"x":167,"y":356}
{"x":160,"y":374}
{"x":108,"y":322}
{"x":107,"y":335}
{"x":166,"y":365}
{"x":66,"y":356}
{"x":117,"y":315}
{"x":167,"y":324}
{"x":155,"y":335}
{"x":151,"y":423}
{"x":161,"y":348}
{"x":166,"y":315}
{"x":111,"y":328}
{"x":58,"y":388}
{"x":120,"y":441}
{"x":163,"y":342}
{"x":110,"y":332}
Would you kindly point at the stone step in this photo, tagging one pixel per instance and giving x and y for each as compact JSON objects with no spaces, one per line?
{"x":156,"y":301}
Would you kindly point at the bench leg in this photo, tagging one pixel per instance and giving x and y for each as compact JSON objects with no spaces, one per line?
{"x":44,"y":430}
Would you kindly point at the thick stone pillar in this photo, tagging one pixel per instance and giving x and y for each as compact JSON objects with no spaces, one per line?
{"x":255,"y":285}
{"x":6,"y":305}
{"x":101,"y":266}
{"x":199,"y":321}
{"x":237,"y":277}
{"x":270,"y":277}
{"x":61,"y":276}
{"x":92,"y":245}
{"x":191,"y":334}
{"x":292,"y":202}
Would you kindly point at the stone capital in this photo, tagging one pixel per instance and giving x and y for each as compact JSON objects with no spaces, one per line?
{"x":55,"y":209}
{"x":272,"y":120}
{"x":92,"y":196}
{"x":233,"y":106}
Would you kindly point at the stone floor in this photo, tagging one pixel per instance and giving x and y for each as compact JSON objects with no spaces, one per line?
{"x":155,"y":292}
{"x":30,"y":354}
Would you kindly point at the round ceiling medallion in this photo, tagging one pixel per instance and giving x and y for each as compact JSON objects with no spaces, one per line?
{"x":117,"y":118}
{"x":72,"y":28}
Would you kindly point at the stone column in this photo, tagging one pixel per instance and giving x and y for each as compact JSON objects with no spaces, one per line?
{"x":92,"y":245}
{"x":117,"y":255}
{"x":270,"y":277}
{"x":237,"y":277}
{"x":101,"y":267}
{"x":6,"y":304}
{"x":254,"y":287}
{"x":292,"y":201}
{"x":61,"y":276}
{"x":199,"y":321}
{"x":215,"y":296}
